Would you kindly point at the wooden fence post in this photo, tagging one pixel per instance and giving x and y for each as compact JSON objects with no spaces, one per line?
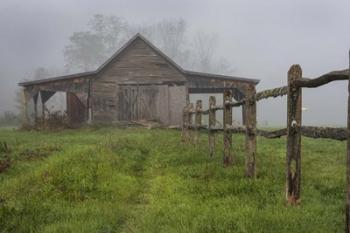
{"x":348,"y":162}
{"x":198,"y":119}
{"x":250,"y":123}
{"x":184,"y":123}
{"x":227,"y":121}
{"x":190,"y":123}
{"x":293,"y":160}
{"x":211,"y":125}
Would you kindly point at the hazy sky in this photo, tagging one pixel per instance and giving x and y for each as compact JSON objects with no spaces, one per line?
{"x":261,"y":39}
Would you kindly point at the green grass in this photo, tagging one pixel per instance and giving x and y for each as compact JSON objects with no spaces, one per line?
{"x":138,"y":180}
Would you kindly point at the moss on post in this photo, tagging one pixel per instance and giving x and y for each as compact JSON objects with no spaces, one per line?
{"x":198,"y":119}
{"x":293,"y":158}
{"x":211,"y":125}
{"x":228,"y":157}
{"x":250,"y":142}
{"x":348,"y":161}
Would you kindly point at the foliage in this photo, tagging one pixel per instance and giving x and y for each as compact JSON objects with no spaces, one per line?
{"x":5,"y":161}
{"x":89,"y":49}
{"x":9,"y":119}
{"x":86,"y":51}
{"x":137,"y":180}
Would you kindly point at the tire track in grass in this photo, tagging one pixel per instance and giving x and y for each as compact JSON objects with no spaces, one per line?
{"x":143,"y":170}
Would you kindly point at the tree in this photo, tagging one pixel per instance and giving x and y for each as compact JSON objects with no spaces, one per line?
{"x":170,"y":36}
{"x":111,"y":30}
{"x":89,"y":49}
{"x":85,"y":52}
{"x":204,"y":59}
{"x":40,"y":73}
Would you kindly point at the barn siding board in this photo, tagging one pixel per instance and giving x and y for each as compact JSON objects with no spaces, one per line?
{"x":130,"y":66}
{"x":163,"y":107}
{"x":177,"y":101}
{"x":104,"y":101}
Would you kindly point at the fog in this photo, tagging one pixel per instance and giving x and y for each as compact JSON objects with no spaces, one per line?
{"x":260,"y":39}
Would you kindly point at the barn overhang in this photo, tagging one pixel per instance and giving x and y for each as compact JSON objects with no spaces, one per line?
{"x":77,"y":88}
{"x":206,"y":83}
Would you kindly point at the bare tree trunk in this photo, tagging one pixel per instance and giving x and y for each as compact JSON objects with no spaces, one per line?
{"x":228,"y":155}
{"x":250,"y":122}
{"x":293,"y":160}
{"x":212,"y":123}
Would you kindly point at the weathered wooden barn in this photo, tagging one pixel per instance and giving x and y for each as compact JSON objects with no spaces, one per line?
{"x":137,"y":82}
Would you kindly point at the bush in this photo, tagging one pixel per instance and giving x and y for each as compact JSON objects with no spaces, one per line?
{"x":9,"y":119}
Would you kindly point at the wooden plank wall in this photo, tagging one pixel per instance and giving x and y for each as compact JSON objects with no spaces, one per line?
{"x":138,"y":65}
{"x":177,"y":101}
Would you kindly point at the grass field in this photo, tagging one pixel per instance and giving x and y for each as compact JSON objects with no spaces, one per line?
{"x":138,"y":180}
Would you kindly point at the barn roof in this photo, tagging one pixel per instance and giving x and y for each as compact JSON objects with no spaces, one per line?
{"x":187,"y":73}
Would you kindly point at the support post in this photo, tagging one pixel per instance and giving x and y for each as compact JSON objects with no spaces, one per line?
{"x":228,"y":157}
{"x":293,"y":158}
{"x":211,"y":125}
{"x":42,"y":109}
{"x":250,"y":123}
{"x":35,"y":99}
{"x":88,"y":104}
{"x":348,"y":162}
{"x":198,"y":119}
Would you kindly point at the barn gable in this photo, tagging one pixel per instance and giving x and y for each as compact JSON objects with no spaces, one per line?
{"x":139,"y":76}
{"x":140,"y":61}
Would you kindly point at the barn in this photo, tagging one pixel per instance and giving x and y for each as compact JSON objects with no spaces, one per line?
{"x":139,"y":82}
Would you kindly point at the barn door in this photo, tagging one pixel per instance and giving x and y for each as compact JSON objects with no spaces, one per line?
{"x":76,"y":108}
{"x":147,"y":102}
{"x":128,"y":103}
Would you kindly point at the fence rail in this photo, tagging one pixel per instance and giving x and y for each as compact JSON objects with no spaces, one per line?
{"x":340,"y":134}
{"x":293,"y":131}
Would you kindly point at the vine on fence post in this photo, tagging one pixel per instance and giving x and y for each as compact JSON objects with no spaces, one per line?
{"x":211,"y":125}
{"x":227,"y":120}
{"x":293,"y":170}
{"x":198,"y":119}
{"x":348,"y":161}
{"x":250,"y":123}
